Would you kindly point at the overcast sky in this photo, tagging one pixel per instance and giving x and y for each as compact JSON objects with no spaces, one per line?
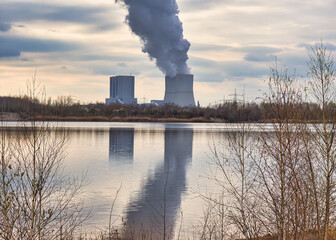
{"x":76,"y":45}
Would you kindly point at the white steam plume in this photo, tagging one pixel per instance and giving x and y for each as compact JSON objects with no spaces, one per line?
{"x":157,"y":24}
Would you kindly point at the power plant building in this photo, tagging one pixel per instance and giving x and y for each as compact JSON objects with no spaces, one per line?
{"x":179,"y":90}
{"x":121,"y":90}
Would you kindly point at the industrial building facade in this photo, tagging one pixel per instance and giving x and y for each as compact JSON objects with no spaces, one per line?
{"x":121,"y":90}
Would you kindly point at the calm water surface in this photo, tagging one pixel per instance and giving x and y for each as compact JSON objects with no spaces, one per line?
{"x":158,"y":166}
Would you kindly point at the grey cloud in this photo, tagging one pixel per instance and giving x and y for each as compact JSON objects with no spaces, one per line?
{"x":23,"y":11}
{"x":108,"y":70}
{"x":5,"y":27}
{"x":191,"y":5}
{"x":253,"y":53}
{"x":129,"y":58}
{"x":9,"y":52}
{"x":329,"y":46}
{"x":13,"y":46}
{"x":255,"y":57}
{"x":208,"y":77}
{"x":259,"y":53}
{"x":238,"y":70}
{"x":123,"y":65}
{"x":209,"y":47}
{"x":293,"y":59}
{"x":258,"y":49}
{"x":209,"y":71}
{"x":295,"y":62}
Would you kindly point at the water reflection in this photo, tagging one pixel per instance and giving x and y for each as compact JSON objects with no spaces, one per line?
{"x":121,"y":144}
{"x":139,"y":155}
{"x":157,"y":205}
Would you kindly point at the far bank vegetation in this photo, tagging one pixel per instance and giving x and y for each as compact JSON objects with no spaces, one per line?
{"x":65,"y":108}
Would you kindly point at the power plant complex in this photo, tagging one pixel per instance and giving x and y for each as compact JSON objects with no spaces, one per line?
{"x":162,"y":39}
{"x":178,"y":90}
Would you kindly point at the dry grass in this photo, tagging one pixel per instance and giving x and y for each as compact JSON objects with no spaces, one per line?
{"x":117,"y":119}
{"x":6,"y":116}
{"x":310,"y":235}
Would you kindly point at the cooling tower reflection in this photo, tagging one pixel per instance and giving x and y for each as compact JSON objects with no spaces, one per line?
{"x":157,"y":206}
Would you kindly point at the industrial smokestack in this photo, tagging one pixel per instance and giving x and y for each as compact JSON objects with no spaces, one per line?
{"x":179,"y":90}
{"x":157,"y":24}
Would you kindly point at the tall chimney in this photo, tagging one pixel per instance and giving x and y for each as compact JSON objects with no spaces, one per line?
{"x":179,"y":90}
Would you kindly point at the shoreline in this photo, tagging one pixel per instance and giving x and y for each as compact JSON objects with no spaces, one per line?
{"x":108,"y":119}
{"x":15,"y":117}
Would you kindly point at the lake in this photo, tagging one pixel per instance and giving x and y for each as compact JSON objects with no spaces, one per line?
{"x":160,"y":169}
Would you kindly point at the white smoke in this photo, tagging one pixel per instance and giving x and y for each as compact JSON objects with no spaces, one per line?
{"x":157,"y":24}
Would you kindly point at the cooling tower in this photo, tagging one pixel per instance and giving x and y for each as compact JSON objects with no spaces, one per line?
{"x":179,"y":90}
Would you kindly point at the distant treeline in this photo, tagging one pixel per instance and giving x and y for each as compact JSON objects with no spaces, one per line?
{"x":64,"y":107}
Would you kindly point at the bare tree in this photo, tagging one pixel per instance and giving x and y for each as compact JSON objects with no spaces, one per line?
{"x":234,"y":211}
{"x":38,"y":199}
{"x":215,"y":224}
{"x":288,"y":192}
{"x":322,"y":79}
{"x":9,"y":209}
{"x":46,"y":196}
{"x":263,"y":174}
{"x":281,"y":163}
{"x":235,"y":174}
